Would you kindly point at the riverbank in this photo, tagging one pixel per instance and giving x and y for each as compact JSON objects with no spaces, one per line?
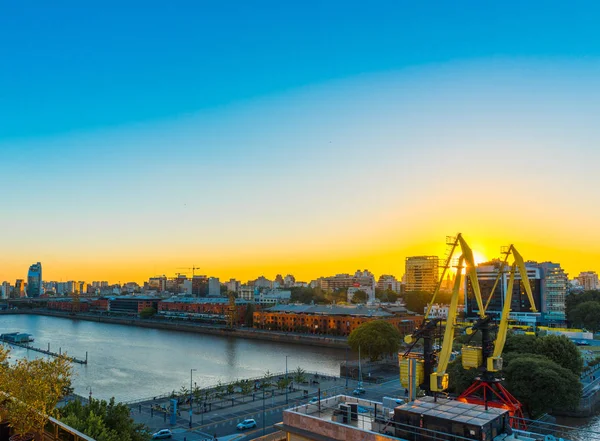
{"x":175,"y":325}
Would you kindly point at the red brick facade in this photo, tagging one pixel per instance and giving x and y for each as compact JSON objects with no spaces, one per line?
{"x":326,"y":324}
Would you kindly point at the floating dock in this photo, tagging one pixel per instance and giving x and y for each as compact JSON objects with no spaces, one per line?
{"x":22,"y":343}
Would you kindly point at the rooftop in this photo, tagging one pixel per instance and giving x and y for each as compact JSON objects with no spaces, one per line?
{"x":359,"y":310}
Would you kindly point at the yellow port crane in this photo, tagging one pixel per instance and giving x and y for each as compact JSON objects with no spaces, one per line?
{"x":421,"y":367}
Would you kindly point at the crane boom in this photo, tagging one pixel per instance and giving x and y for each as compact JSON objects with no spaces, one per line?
{"x":439,"y":379}
{"x":503,"y":327}
{"x":472,"y":274}
{"x":524,"y":278}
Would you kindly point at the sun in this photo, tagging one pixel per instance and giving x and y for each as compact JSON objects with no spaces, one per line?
{"x":479,"y":258}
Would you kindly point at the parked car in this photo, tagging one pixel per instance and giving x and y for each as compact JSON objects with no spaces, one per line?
{"x":162,"y":434}
{"x":358,"y":391}
{"x":246,"y":424}
{"x":313,"y":400}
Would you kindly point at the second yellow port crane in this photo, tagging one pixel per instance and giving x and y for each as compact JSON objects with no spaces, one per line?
{"x":487,"y":388}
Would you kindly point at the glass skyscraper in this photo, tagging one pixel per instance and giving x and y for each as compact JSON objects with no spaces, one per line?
{"x":34,"y":280}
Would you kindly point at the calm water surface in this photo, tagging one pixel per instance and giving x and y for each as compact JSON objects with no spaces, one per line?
{"x":131,"y":363}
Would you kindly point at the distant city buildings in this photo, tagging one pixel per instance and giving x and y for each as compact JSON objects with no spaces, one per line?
{"x":360,"y":279}
{"x":421,"y":273}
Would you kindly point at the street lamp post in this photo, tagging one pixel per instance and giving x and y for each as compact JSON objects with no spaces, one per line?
{"x":286,"y":381}
{"x":191,"y":370}
{"x":346,"y":367}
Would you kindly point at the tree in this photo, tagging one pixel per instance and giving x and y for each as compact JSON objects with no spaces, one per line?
{"x":416,"y":301}
{"x":557,"y":348}
{"x":360,"y":296}
{"x":542,"y":385}
{"x":586,"y":315}
{"x":33,"y":388}
{"x":520,"y":343}
{"x":459,"y":377}
{"x":283,"y":383}
{"x":103,"y":421}
{"x":377,"y":338}
{"x":574,"y":300}
{"x":266,"y":381}
{"x":249,"y":315}
{"x":562,"y":351}
{"x":299,"y":375}
{"x":147,"y":312}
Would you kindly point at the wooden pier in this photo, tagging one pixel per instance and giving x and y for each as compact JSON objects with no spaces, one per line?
{"x":47,"y":352}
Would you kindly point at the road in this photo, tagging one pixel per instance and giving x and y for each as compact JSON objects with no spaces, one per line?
{"x":267,"y":412}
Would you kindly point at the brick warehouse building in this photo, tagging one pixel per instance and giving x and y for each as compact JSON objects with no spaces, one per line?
{"x":203,"y":306}
{"x":328,"y":319}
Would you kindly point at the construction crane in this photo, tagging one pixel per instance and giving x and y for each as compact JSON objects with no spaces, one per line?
{"x":193,"y":268}
{"x":421,"y":367}
{"x":487,"y":388}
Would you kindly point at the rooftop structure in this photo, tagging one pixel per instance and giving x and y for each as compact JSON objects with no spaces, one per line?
{"x":344,"y":418}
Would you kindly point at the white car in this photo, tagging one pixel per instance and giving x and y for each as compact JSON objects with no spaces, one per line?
{"x":162,"y":434}
{"x":246,"y":424}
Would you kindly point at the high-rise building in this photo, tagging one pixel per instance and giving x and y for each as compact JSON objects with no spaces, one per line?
{"x":247,"y":292}
{"x":200,"y":286}
{"x":554,"y":290}
{"x":19,"y":288}
{"x":233,"y":285}
{"x":588,"y":280}
{"x":214,"y":287}
{"x":422,"y":273}
{"x":5,"y":290}
{"x":520,"y":306}
{"x":34,"y":280}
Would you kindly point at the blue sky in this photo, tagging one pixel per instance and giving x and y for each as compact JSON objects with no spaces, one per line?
{"x":70,"y":65}
{"x":313,"y":138}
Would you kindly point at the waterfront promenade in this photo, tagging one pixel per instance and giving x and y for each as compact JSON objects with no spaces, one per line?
{"x":221,"y":420}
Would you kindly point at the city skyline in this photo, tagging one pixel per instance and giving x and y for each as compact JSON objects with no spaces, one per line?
{"x":318,"y":140}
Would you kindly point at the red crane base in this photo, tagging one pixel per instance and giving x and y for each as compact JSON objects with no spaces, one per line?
{"x":493,"y":394}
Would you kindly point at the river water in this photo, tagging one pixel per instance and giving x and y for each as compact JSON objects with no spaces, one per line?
{"x":132,"y":363}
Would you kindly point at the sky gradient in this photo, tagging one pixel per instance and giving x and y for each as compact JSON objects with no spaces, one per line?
{"x":311,"y":139}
